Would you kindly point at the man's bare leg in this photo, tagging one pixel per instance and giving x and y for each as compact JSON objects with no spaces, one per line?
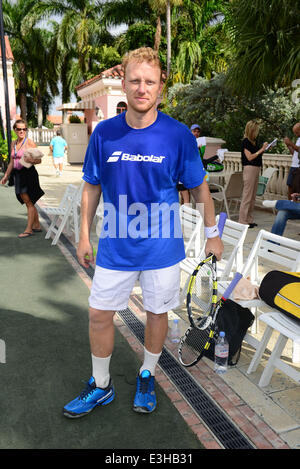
{"x":102,"y":334}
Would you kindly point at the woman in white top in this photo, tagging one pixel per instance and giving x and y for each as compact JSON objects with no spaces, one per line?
{"x":294,"y":150}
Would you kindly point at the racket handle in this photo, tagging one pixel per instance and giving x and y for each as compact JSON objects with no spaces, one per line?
{"x":231,"y":286}
{"x":221,"y":223}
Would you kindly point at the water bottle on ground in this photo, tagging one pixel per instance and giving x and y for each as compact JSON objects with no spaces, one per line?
{"x":221,"y":354}
{"x":175,"y":331}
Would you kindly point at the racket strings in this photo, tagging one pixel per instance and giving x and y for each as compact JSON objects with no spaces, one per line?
{"x":194,"y":344}
{"x":201,"y":292}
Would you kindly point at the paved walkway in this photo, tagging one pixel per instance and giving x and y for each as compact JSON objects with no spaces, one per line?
{"x":270,"y":417}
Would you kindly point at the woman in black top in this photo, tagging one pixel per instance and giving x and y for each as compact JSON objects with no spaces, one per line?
{"x":251,"y":162}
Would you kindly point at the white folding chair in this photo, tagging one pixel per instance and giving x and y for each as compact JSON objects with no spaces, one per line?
{"x":268,"y":249}
{"x":77,"y":205}
{"x":64,"y":213}
{"x":288,"y":329}
{"x":233,"y":237}
{"x":264,"y":180}
{"x":232,"y":191}
{"x":192,"y":229}
{"x":280,"y":253}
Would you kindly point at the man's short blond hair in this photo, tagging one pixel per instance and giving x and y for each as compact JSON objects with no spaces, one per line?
{"x":143,"y":54}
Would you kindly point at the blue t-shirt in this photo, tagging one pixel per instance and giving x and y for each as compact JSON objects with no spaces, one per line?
{"x":58,"y":144}
{"x":138,"y":170}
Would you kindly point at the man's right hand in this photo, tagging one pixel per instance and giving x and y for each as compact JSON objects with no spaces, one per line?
{"x":85,"y":253}
{"x":295,"y":197}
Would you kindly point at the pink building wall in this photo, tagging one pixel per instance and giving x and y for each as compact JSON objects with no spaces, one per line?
{"x":105,"y":91}
{"x":108,"y":105}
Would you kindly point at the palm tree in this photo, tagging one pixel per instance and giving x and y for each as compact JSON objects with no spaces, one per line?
{"x":137,"y":35}
{"x":31,"y":53}
{"x":131,"y":12}
{"x":165,"y":6}
{"x":199,"y":40}
{"x":127,"y":11}
{"x":21,"y":46}
{"x":63,"y":60}
{"x":41,"y":83}
{"x":265,"y":35}
{"x":81,"y":23}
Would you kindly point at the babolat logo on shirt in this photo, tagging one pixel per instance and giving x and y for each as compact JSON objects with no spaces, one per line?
{"x":116,"y":155}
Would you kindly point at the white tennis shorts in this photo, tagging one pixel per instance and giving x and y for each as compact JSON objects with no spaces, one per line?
{"x":111,"y":289}
{"x":58,"y":159}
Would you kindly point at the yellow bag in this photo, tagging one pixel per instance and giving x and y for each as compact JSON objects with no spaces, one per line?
{"x":281,"y":290}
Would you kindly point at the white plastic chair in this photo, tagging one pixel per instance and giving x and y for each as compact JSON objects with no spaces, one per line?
{"x":284,"y":253}
{"x":232,"y":191}
{"x":281,"y":251}
{"x":66,"y":212}
{"x":264,"y":180}
{"x":233,"y":237}
{"x":192,"y":228}
{"x":288,"y":329}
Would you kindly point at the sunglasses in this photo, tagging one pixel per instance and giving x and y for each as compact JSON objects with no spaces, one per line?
{"x":20,"y":130}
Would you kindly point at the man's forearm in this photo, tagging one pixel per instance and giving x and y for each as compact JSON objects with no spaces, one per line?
{"x":89,"y":203}
{"x":201,"y":194}
{"x":291,"y":146}
{"x":213,"y":244}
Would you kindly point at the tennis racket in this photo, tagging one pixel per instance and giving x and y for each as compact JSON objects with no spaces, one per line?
{"x":202,"y":286}
{"x":198,"y":339}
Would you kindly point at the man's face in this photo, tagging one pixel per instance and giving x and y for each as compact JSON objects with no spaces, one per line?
{"x":142,"y":85}
{"x":196,"y":132}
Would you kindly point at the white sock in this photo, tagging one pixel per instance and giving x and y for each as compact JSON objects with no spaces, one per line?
{"x":150,"y":361}
{"x":269,"y":203}
{"x":101,"y":371}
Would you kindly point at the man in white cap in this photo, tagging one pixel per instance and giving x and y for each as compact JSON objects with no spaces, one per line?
{"x":201,"y":141}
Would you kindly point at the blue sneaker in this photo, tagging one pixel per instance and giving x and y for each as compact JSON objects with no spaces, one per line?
{"x":90,"y":398}
{"x":145,"y":397}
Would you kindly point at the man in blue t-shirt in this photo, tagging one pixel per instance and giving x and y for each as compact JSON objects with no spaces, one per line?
{"x":58,"y":146}
{"x":136,"y":160}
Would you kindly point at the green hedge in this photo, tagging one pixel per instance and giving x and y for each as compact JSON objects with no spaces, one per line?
{"x":220,"y":113}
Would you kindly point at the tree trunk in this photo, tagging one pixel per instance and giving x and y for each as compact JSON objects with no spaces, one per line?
{"x":39,"y":109}
{"x":66,"y":94}
{"x":157,"y":38}
{"x":22,"y":92}
{"x":168,"y":17}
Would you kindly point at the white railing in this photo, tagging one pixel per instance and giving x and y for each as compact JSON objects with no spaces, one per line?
{"x":277,"y":187}
{"x":41,"y":136}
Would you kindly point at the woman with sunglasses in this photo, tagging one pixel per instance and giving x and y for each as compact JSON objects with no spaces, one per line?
{"x":26,"y":180}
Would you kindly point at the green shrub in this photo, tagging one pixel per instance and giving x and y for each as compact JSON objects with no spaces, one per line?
{"x":4,"y":149}
{"x":74,"y":119}
{"x":221,"y":114}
